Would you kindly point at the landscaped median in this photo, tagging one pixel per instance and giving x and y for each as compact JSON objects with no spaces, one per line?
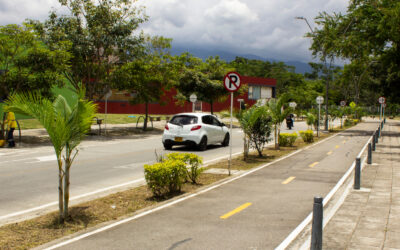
{"x":43,"y":229}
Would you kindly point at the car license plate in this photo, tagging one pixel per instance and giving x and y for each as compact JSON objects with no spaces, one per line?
{"x":178,"y":139}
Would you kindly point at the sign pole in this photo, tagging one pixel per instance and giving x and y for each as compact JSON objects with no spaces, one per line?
{"x":319,"y":115}
{"x":230,"y":139}
{"x":380,"y":112}
{"x":231,"y":83}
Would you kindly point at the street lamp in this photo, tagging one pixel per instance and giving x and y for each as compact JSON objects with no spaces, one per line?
{"x":326,"y":80}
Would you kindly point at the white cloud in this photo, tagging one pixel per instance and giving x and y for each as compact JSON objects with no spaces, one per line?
{"x":263,"y":27}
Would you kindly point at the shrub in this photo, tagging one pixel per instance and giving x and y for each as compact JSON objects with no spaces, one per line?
{"x":194,"y":161}
{"x":286,"y":139}
{"x":311,"y":120}
{"x":165,"y":177}
{"x":307,"y":136}
{"x":348,"y":122}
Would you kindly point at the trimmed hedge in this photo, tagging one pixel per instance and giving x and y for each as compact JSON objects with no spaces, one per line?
{"x":307,"y":136}
{"x":287,"y":139}
{"x":167,"y":176}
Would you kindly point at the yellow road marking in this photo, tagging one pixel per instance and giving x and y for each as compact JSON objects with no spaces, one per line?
{"x":291,"y":178}
{"x":236,"y":210}
{"x":313,"y":165}
{"x":337,"y":146}
{"x":329,"y":153}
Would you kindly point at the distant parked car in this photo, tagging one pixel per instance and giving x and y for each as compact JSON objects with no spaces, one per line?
{"x":197,"y":129}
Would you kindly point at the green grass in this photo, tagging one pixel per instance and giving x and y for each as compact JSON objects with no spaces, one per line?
{"x":111,"y":119}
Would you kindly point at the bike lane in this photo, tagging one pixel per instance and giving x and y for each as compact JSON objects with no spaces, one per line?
{"x":256,"y":211}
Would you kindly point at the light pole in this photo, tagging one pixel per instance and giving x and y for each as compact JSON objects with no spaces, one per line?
{"x":328,"y":72}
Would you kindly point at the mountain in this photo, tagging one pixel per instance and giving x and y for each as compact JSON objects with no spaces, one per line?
{"x":300,"y":67}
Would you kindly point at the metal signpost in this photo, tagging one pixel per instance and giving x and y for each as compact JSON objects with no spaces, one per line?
{"x":107,"y":95}
{"x":381,"y":100}
{"x":232,"y":84}
{"x":342,"y":104}
{"x":193,"y":99}
{"x":319,"y":101}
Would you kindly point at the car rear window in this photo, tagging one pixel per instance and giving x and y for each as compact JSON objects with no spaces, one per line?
{"x":183,"y":120}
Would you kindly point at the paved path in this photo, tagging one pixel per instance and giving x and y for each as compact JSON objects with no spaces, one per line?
{"x":266,"y":204}
{"x":370,"y":218}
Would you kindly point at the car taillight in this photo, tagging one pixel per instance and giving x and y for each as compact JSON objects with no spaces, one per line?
{"x":166,"y":127}
{"x":195,"y":128}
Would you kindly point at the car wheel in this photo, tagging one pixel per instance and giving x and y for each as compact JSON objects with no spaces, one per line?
{"x":225,"y":142}
{"x":203,"y":144}
{"x":167,"y":146}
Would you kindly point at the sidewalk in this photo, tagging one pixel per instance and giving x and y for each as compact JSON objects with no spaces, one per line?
{"x":370,"y":217}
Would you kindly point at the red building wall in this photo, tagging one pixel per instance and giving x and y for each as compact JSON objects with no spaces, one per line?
{"x":169,"y":106}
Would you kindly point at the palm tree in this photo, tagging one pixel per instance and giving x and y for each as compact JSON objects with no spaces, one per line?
{"x":66,"y":126}
{"x":278,"y":115}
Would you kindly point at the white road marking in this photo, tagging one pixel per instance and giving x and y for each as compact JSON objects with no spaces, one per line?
{"x":47,"y":158}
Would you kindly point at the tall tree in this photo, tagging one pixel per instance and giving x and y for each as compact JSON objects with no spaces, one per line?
{"x":25,"y":63}
{"x":148,"y":76}
{"x":66,"y":126}
{"x":205,"y":80}
{"x":102,"y":36}
{"x":367,"y":32}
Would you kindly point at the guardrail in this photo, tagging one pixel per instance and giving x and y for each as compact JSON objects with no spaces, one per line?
{"x":316,"y":217}
{"x":317,"y":223}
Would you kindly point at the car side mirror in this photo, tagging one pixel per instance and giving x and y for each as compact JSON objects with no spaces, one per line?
{"x":223,"y":124}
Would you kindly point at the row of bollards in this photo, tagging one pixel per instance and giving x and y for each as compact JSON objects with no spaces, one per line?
{"x":318,"y":208}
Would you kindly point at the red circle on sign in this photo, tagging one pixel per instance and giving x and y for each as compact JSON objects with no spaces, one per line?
{"x":382,"y":100}
{"x":232,"y":81}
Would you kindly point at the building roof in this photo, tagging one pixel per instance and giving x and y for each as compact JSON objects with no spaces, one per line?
{"x":258,"y":81}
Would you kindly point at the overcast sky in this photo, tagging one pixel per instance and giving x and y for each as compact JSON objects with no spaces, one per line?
{"x":266,"y":28}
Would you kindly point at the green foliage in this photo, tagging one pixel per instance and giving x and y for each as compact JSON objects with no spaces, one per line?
{"x":194,"y":161}
{"x":66,"y":125}
{"x":307,"y":136}
{"x":203,"y":79}
{"x":165,"y":177}
{"x":256,"y":123}
{"x":26,"y":64}
{"x":277,"y":111}
{"x":149,"y":75}
{"x":287,"y":139}
{"x":102,"y":37}
{"x":311,"y":120}
{"x":367,"y":32}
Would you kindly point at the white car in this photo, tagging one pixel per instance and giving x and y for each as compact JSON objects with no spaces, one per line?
{"x":196,"y":129}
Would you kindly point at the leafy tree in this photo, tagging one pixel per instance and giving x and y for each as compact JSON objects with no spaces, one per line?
{"x":278,"y":112}
{"x":148,"y":76}
{"x":66,"y":125}
{"x":256,"y":123}
{"x":368,"y":31}
{"x":205,"y":80}
{"x":25,"y":63}
{"x":102,"y":36}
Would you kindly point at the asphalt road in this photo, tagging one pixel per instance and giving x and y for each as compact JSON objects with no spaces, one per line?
{"x":29,"y":176}
{"x":254,"y":212}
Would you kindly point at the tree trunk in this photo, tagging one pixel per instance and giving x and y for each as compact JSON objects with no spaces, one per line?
{"x":276,"y":136}
{"x":245,"y":148}
{"x":211,"y":105}
{"x":146,"y":116}
{"x":60,"y":191}
{"x":66,"y":181}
